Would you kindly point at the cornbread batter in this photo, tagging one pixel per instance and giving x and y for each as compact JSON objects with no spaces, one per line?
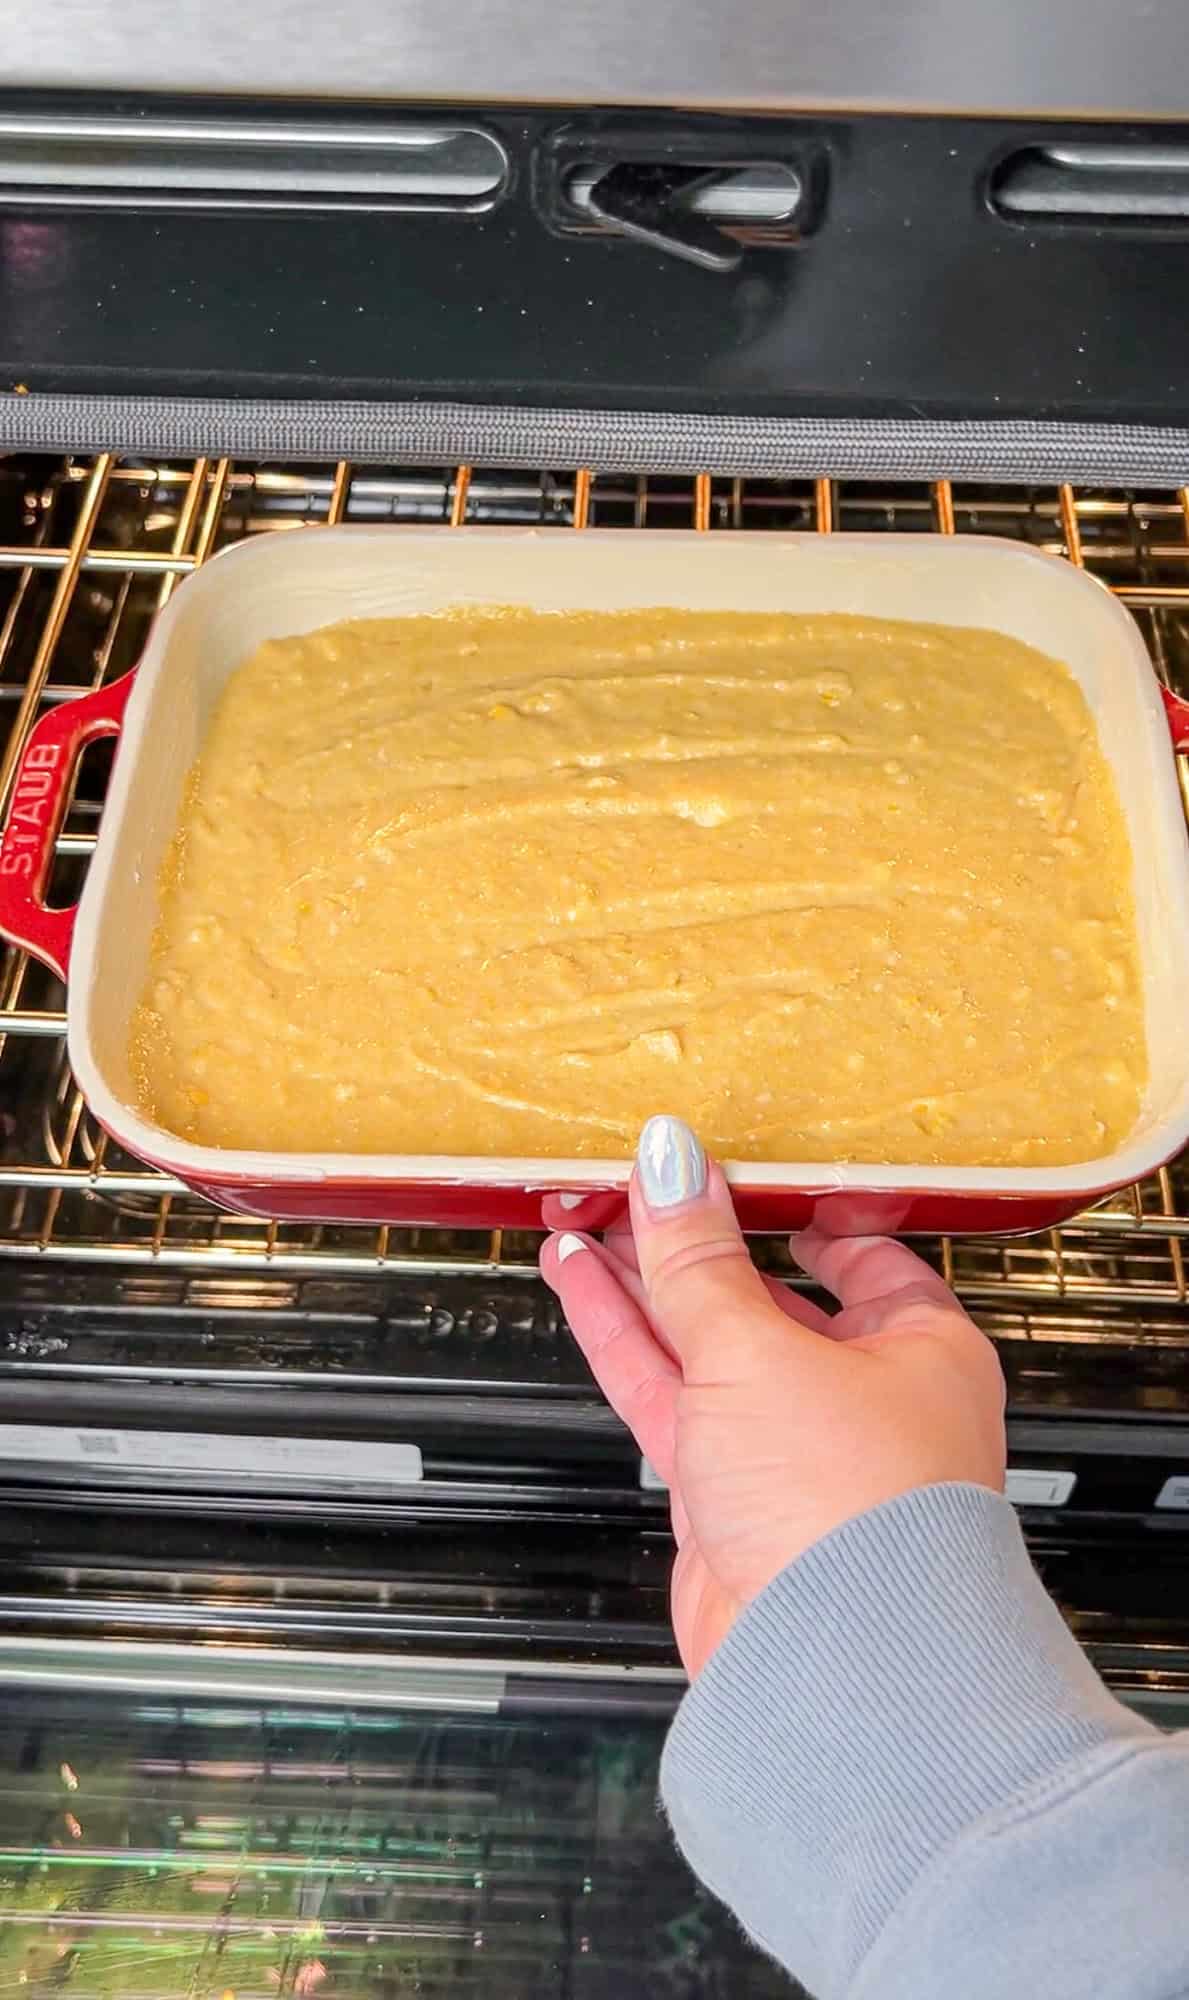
{"x":502,"y":882}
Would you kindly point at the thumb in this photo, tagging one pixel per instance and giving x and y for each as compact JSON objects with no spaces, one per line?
{"x":704,"y":1294}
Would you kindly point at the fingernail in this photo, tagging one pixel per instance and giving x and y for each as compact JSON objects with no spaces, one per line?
{"x":671,"y":1162}
{"x":570,"y":1200}
{"x":568,"y":1246}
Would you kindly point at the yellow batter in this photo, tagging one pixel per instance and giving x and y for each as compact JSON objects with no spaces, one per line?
{"x":499,"y":882}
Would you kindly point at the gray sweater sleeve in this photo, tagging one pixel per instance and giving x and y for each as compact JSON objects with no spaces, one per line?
{"x":904,"y":1777}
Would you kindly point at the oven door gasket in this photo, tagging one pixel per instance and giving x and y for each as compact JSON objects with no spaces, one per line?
{"x":609,"y":440}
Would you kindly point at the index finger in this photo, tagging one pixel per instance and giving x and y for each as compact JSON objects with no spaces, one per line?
{"x":639,"y":1379}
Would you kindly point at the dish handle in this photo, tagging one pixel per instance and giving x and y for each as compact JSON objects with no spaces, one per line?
{"x":41,"y":793}
{"x":1177,"y":709}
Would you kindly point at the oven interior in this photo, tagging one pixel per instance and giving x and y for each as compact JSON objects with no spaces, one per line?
{"x":370,"y":1782}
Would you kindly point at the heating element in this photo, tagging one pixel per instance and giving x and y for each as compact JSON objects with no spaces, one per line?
{"x":89,"y":550}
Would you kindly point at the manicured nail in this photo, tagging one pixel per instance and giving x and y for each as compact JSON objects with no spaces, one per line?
{"x":671,"y":1162}
{"x":568,"y":1246}
{"x":570,"y":1200}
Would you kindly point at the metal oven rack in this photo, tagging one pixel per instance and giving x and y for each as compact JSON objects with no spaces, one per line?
{"x":90,"y":549}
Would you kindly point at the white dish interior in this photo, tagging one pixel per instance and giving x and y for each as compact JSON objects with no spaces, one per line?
{"x":292,"y":582}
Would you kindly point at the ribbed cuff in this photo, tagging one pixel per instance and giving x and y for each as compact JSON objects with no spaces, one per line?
{"x":904,"y":1677}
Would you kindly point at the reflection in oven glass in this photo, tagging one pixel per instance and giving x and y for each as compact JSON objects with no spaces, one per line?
{"x":213,"y":1852}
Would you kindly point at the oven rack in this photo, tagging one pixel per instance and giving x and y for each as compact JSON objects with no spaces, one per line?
{"x":89,"y":550}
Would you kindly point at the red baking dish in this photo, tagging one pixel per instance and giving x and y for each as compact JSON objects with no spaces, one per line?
{"x":292,"y":583}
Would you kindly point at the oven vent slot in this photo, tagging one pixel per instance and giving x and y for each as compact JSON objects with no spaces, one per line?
{"x":701,"y":193}
{"x":291,"y":165}
{"x":702,"y":214}
{"x":1102,"y":184}
{"x":741,"y":197}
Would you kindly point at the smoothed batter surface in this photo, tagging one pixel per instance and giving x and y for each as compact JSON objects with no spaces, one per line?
{"x":503,"y":882}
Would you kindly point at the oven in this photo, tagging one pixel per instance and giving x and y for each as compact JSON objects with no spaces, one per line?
{"x":333,"y":1635}
{"x":437,"y":1701}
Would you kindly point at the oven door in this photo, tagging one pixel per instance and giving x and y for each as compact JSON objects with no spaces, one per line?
{"x":188,"y":1825}
{"x":181,"y":1829}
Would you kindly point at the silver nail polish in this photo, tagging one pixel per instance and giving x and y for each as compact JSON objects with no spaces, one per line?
{"x":671,"y":1162}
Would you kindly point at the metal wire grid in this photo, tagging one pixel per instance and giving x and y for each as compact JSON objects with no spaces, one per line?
{"x":90,"y":550}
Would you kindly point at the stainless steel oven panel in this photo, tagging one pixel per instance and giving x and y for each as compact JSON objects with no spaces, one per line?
{"x":1073,"y":57}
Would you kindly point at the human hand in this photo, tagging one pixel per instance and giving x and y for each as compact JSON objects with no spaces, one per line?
{"x":771,"y":1421}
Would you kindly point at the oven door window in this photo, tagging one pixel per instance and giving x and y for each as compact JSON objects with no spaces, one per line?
{"x":173,"y":1844}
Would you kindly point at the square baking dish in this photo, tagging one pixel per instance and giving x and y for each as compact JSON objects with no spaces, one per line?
{"x":291,"y":583}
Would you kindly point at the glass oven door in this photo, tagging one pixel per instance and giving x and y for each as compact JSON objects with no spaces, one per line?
{"x":332,"y":1829}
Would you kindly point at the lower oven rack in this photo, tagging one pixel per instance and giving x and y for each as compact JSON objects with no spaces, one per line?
{"x":90,"y":549}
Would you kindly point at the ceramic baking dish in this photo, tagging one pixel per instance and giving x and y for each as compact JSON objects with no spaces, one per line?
{"x":290,"y":583}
